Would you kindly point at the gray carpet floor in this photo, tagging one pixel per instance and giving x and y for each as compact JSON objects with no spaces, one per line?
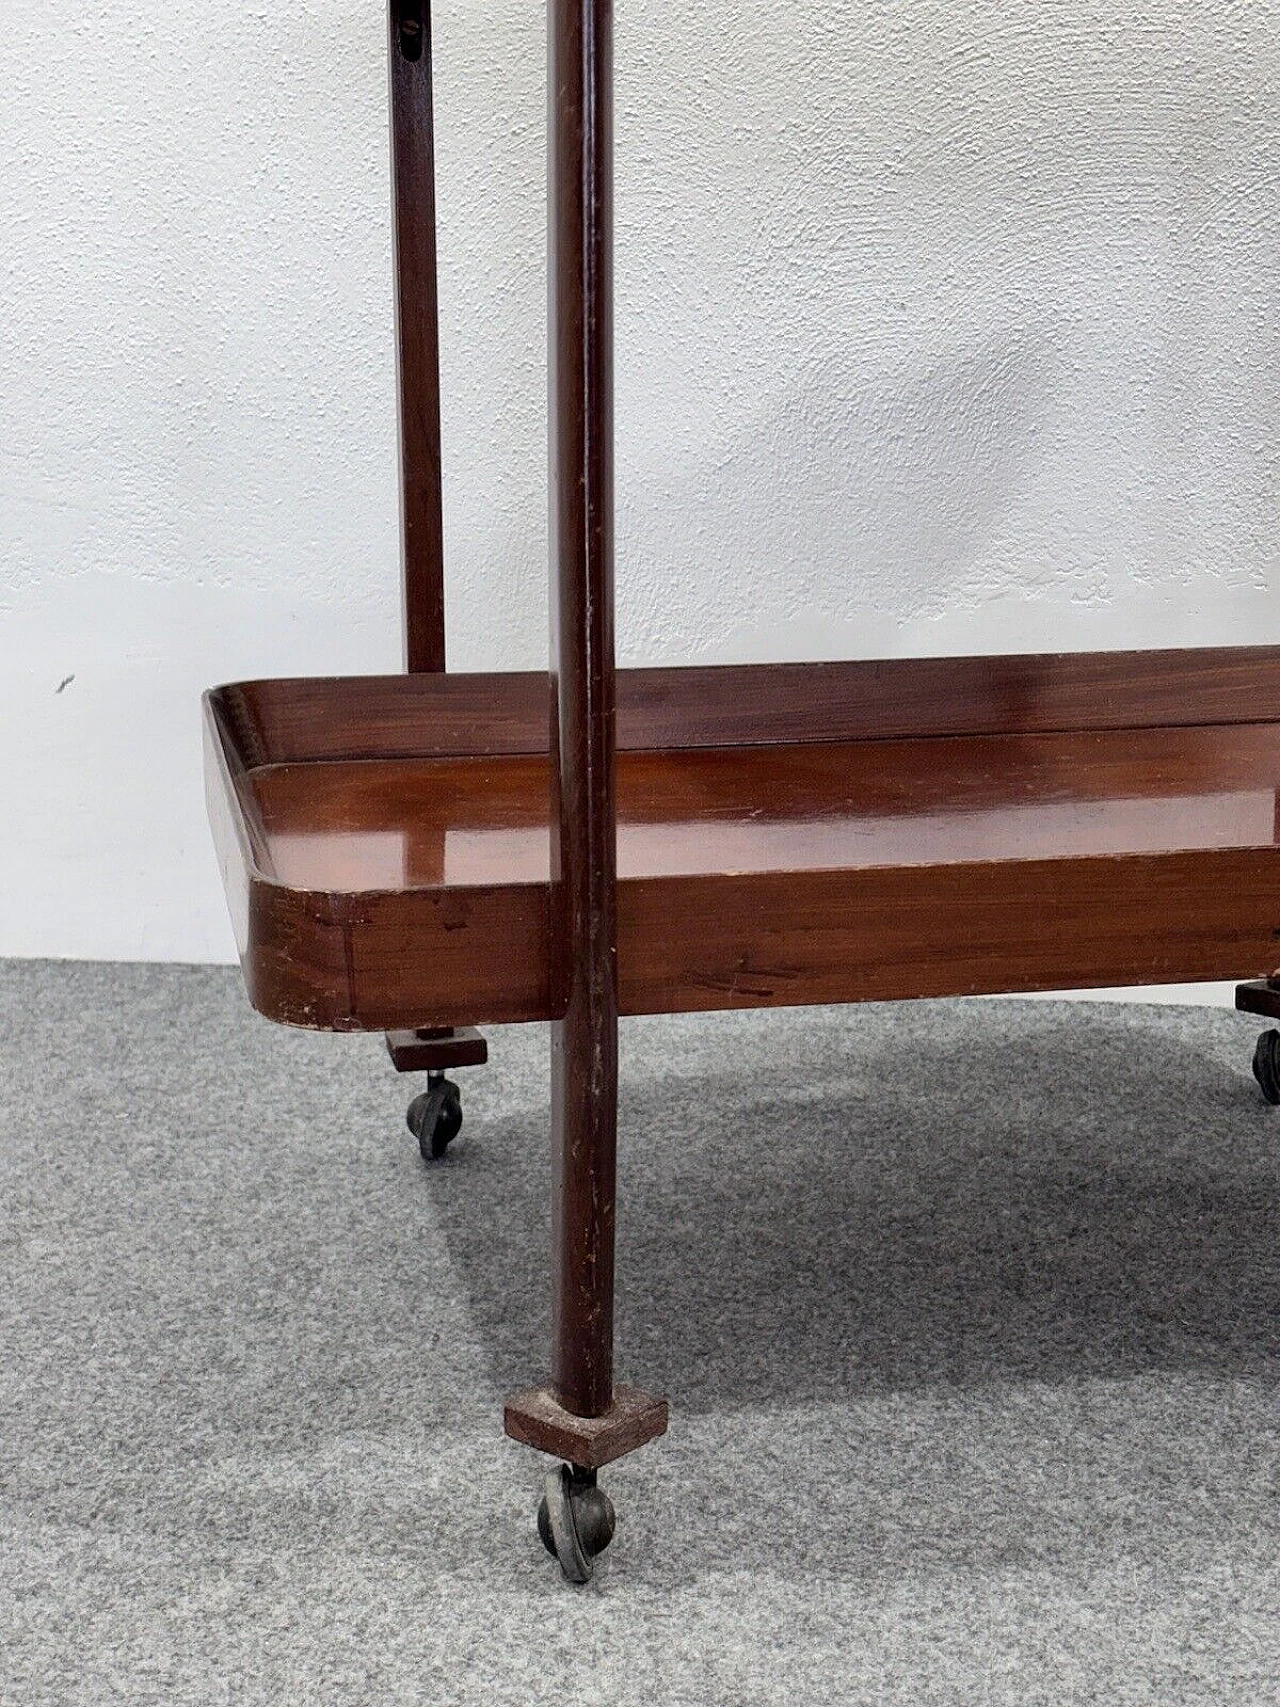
{"x":968,"y":1313}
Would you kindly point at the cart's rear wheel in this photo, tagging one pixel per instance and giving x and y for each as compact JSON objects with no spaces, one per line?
{"x":435,"y":1118}
{"x":1266,"y":1065}
{"x":576,"y":1520}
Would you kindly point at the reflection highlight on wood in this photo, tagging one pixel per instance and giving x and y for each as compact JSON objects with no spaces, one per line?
{"x":403,"y":889}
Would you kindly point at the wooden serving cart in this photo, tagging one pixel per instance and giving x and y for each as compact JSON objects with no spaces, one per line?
{"x":432,"y":852}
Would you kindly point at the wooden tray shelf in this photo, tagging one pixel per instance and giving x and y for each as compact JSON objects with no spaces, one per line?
{"x":786,"y":834}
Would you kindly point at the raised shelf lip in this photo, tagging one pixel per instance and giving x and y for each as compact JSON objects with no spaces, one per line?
{"x":726,"y":705}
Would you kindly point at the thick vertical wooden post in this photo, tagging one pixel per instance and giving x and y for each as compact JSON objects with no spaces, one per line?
{"x":417,"y":332}
{"x":581,"y":1416}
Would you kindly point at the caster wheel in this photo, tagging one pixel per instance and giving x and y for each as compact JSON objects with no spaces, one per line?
{"x":435,"y":1118}
{"x":575,"y":1520}
{"x":1266,"y":1065}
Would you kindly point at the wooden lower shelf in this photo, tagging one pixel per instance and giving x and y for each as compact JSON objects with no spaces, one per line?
{"x":787,"y":834}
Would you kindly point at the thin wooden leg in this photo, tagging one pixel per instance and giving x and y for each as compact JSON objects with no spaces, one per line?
{"x":584,"y":1046}
{"x":581,"y":1416}
{"x":417,"y":332}
{"x":584,"y":1125}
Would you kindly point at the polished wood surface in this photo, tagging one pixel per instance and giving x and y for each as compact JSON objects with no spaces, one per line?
{"x":583,"y":892}
{"x":417,"y":331}
{"x":757,"y":704}
{"x":411,"y":822}
{"x":407,"y":892}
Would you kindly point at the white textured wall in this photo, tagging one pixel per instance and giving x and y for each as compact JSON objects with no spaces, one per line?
{"x":941,"y":327}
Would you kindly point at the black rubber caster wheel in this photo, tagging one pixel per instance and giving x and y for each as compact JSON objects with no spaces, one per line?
{"x":435,"y":1118}
{"x":1266,"y":1065}
{"x":575,"y":1520}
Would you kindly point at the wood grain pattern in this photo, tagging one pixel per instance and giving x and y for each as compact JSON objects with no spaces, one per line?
{"x":759,"y":875}
{"x":709,"y":809}
{"x":780,"y":939}
{"x":760,"y":704}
